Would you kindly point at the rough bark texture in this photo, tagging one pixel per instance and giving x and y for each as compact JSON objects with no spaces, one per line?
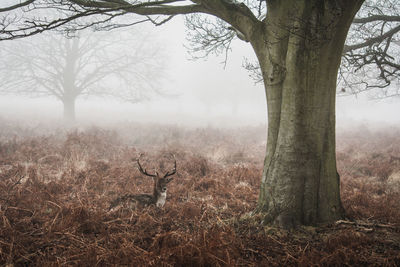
{"x":299,"y":54}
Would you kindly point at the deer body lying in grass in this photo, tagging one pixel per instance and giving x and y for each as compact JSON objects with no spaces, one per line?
{"x":158,"y":197}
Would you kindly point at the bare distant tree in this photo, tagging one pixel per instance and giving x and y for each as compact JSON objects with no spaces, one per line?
{"x":371,"y":56}
{"x":113,"y":64}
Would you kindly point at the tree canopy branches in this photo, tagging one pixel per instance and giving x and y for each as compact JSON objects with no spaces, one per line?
{"x":12,"y":7}
{"x":371,"y":52}
{"x":41,"y":15}
{"x":371,"y":56}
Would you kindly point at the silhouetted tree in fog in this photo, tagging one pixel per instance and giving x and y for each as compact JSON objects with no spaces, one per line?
{"x":115,"y":64}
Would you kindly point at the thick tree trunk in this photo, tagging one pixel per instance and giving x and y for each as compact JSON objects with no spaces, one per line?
{"x":299,"y":55}
{"x":69,"y":110}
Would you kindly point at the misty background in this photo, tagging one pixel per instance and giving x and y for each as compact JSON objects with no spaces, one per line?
{"x":202,"y":92}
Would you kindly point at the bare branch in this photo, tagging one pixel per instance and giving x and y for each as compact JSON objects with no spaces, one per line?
{"x":208,"y":35}
{"x":16,"y":6}
{"x":372,"y":41}
{"x":371,"y":54}
{"x":70,"y":14}
{"x":374,"y":18}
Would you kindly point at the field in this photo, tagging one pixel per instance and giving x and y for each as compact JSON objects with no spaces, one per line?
{"x":56,"y":186}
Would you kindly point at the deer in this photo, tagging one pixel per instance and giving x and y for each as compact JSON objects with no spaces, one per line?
{"x":159,"y":195}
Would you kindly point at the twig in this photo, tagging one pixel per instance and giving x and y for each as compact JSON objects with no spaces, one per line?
{"x":380,"y":225}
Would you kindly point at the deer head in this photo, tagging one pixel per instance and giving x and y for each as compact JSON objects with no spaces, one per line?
{"x":160,"y":182}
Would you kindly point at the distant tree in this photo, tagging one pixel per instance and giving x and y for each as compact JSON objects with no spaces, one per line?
{"x":125,"y":66}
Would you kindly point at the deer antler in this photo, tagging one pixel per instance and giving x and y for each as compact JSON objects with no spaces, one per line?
{"x":173,"y":170}
{"x":144,"y":170}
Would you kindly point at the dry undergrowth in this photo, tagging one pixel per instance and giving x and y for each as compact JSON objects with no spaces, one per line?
{"x":55,"y":189}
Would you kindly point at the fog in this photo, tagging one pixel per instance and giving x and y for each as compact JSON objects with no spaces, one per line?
{"x":203,"y":92}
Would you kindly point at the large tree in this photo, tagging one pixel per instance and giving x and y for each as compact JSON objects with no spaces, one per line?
{"x":298,"y":44}
{"x":126,"y":66}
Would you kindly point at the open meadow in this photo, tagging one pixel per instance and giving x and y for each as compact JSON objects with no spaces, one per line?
{"x":56,"y":186}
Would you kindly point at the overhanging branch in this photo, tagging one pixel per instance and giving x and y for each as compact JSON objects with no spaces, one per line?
{"x":374,"y":18}
{"x":5,"y":9}
{"x":371,"y":41}
{"x":147,"y":8}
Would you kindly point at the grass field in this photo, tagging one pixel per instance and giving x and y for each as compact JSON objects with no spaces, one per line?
{"x":56,"y":186}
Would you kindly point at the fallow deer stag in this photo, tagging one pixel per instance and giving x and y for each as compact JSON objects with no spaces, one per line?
{"x":159,"y":195}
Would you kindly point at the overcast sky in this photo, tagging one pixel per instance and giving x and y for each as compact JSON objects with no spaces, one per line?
{"x":207,"y":94}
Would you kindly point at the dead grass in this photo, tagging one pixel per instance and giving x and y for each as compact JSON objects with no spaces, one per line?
{"x":55,"y":189}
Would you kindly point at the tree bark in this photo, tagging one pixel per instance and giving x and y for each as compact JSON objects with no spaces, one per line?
{"x":299,"y":54}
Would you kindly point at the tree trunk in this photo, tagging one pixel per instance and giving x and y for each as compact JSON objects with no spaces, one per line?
{"x":69,"y":110}
{"x":299,"y":55}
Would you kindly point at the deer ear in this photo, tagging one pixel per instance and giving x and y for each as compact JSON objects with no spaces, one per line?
{"x":169,"y":179}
